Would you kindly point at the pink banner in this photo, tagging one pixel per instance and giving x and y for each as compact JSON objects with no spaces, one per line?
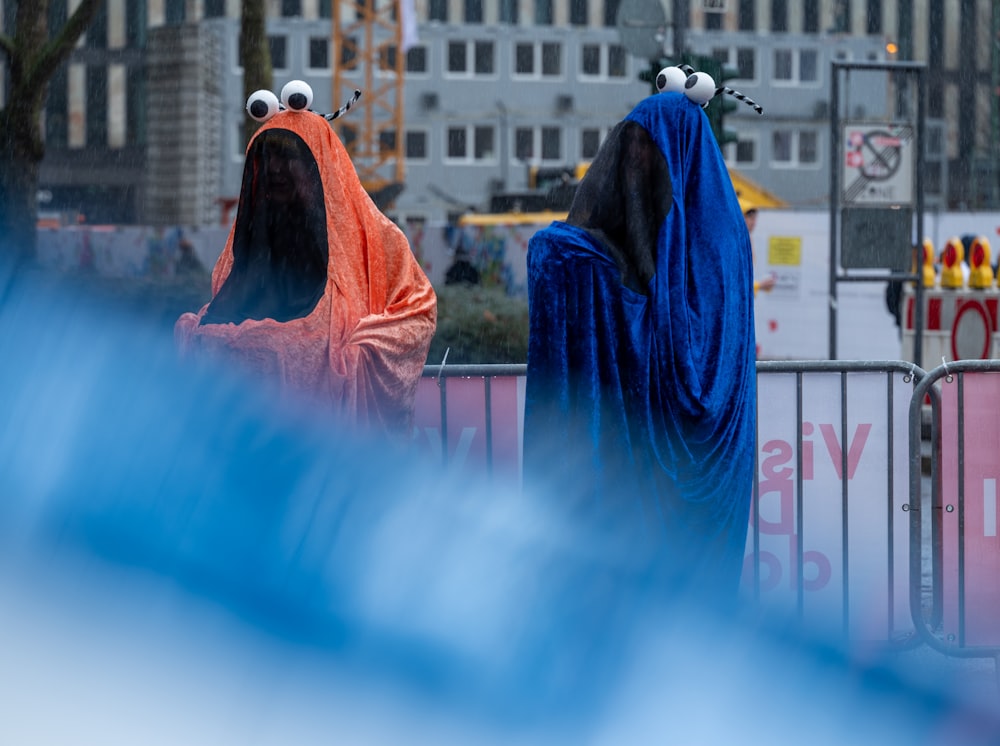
{"x":471,"y":436}
{"x":971,"y":570}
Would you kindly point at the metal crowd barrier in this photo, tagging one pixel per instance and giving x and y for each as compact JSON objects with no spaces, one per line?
{"x":961,"y":530}
{"x":853,"y":528}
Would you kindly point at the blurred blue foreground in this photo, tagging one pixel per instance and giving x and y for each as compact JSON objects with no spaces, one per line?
{"x":182,"y":563}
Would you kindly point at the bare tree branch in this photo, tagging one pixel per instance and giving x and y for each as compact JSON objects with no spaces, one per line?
{"x":60,"y":47}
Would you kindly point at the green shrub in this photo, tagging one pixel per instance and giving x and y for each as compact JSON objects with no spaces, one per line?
{"x":479,"y":325}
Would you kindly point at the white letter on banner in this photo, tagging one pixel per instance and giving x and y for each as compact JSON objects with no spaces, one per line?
{"x":989,"y":507}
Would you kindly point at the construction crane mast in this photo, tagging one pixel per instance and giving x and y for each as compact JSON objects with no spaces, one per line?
{"x":367,"y":38}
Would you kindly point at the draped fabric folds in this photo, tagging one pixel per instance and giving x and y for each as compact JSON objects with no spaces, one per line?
{"x":641,"y":394}
{"x":316,"y":289}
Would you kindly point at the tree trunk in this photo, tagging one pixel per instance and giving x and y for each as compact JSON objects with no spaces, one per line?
{"x":18,"y":204}
{"x":256,"y":55}
{"x":33,"y":55}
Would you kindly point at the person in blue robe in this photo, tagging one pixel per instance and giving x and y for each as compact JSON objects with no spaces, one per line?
{"x":640,"y":403}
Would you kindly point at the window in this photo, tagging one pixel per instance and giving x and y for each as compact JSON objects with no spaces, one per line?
{"x":779,"y":15}
{"x":319,"y":53}
{"x":484,"y":58}
{"x":791,"y":148}
{"x":808,"y":147}
{"x":483,"y":62}
{"x":551,"y":59}
{"x":457,"y":145}
{"x":611,"y":13}
{"x":508,"y":12}
{"x":215,"y":8}
{"x":782,"y":64}
{"x":873,"y":17}
{"x":524,"y":59}
{"x":810,"y":16}
{"x":279,"y":48}
{"x":416,"y":59}
{"x":524,"y":141}
{"x":590,"y":60}
{"x":482,"y":137}
{"x":746,"y":15}
{"x":135,"y":23}
{"x":326,"y":8}
{"x":416,"y":145}
{"x":387,"y":141}
{"x":527,"y":64}
{"x":746,"y":63}
{"x":590,"y":143}
{"x":349,"y":54}
{"x":808,"y":66}
{"x":473,"y":11}
{"x":387,"y":58}
{"x":796,"y":66}
{"x":291,"y":8}
{"x":591,"y":57}
{"x":546,"y":141}
{"x":437,"y":10}
{"x":713,"y":21}
{"x":484,"y":143}
{"x":551,"y":143}
{"x":173,"y":12}
{"x":97,"y":106}
{"x":781,"y":147}
{"x":578,"y":12}
{"x":746,"y":152}
{"x":56,"y":108}
{"x":96,"y":37}
{"x":543,"y":13}
{"x":617,"y":61}
{"x":456,"y":57}
{"x":842,"y":16}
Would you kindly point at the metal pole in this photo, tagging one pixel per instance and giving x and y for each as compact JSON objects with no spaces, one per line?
{"x":918,"y":294}
{"x":835,"y":156}
{"x":678,"y":15}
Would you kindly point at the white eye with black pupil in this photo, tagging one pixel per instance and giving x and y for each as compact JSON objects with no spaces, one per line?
{"x":262,"y":105}
{"x":671,"y":80}
{"x":700,"y":88}
{"x":297,"y":95}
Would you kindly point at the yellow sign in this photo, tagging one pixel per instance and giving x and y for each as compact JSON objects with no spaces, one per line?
{"x":784,"y":251}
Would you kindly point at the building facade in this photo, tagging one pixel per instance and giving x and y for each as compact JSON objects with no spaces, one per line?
{"x":492,"y":88}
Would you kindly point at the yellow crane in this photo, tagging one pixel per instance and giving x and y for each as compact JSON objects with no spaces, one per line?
{"x":367,"y":38}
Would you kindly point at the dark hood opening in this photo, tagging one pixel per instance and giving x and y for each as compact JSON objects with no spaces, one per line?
{"x":280,"y":243}
{"x":624,"y":199}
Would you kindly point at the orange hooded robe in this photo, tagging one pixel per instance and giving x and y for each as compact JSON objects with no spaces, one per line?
{"x":320,"y":293}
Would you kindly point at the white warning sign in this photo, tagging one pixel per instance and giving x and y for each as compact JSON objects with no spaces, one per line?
{"x":878,"y":164}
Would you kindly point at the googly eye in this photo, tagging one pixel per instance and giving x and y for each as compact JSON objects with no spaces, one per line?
{"x":262,"y":105}
{"x":700,"y":88}
{"x":671,"y":80}
{"x":297,"y":95}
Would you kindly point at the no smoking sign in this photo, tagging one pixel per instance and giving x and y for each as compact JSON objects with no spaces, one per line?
{"x":878,"y":165}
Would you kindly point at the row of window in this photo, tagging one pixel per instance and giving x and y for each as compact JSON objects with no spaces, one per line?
{"x":478,"y":144}
{"x":546,"y":59}
{"x":467,"y":58}
{"x":541,"y":13}
{"x":508,"y":11}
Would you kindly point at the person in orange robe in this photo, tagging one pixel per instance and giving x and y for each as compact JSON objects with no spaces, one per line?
{"x":316,"y":288}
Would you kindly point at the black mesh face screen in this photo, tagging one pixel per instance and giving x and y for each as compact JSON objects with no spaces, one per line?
{"x":280,"y":246}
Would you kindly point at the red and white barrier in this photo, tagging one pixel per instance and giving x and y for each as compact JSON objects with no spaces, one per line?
{"x":958,"y":325}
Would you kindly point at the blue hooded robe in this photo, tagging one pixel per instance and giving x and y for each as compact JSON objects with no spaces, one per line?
{"x":641,"y":386}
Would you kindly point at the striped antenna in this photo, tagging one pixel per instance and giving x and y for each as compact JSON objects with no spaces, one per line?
{"x":687,"y":70}
{"x":346,"y":107}
{"x":740,"y":97}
